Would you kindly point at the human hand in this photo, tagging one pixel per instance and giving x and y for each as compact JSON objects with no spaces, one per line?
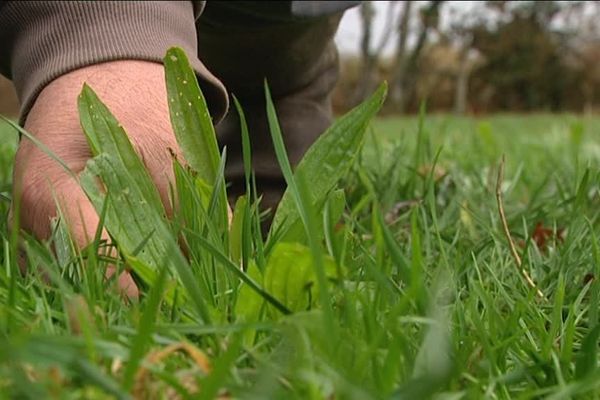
{"x":135,"y":93}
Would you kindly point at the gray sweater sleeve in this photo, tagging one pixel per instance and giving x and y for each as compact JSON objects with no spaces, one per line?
{"x":42,"y":40}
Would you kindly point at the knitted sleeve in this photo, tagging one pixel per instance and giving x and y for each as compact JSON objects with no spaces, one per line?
{"x":42,"y":40}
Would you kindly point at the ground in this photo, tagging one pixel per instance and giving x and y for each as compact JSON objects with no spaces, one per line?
{"x":430,"y":300}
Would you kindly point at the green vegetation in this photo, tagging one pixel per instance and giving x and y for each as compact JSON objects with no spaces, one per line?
{"x":401,"y":285}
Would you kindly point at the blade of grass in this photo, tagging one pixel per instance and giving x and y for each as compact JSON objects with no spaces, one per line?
{"x":145,"y":329}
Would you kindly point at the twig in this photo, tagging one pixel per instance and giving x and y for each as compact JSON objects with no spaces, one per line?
{"x":511,"y":242}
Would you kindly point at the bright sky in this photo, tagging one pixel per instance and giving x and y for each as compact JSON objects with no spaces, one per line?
{"x":348,"y":35}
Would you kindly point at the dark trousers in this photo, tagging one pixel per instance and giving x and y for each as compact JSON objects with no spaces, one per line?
{"x":243,"y":43}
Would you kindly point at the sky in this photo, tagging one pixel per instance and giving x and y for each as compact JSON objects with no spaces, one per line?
{"x":348,"y":35}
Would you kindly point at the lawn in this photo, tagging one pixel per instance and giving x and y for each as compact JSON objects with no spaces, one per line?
{"x":412,"y":292}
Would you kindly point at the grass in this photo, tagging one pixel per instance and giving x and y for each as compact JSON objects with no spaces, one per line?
{"x":401,"y":285}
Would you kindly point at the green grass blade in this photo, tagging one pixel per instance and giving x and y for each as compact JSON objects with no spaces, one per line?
{"x":39,"y":144}
{"x":587,"y":358}
{"x":395,"y":252}
{"x":145,"y":329}
{"x":246,"y":148}
{"x":213,"y":382}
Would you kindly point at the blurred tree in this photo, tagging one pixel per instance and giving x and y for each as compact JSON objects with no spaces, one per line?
{"x":522,"y":54}
{"x":582,"y":53}
{"x":404,"y":75}
{"x":483,"y":57}
{"x":371,"y":55}
{"x":458,"y":34}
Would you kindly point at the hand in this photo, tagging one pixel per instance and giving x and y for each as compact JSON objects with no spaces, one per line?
{"x":135,"y":93}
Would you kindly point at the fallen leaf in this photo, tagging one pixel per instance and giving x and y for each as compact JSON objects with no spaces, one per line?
{"x":542,"y":236}
{"x":438,"y":171}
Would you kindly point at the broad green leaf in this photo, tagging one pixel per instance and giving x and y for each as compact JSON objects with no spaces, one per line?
{"x":190,"y":118}
{"x":192,"y":123}
{"x":329,"y":159}
{"x":135,"y":212}
{"x":291,"y":278}
{"x":295,"y":231}
{"x":337,"y":204}
{"x":249,"y":304}
{"x":332,"y":212}
{"x":106,"y":137}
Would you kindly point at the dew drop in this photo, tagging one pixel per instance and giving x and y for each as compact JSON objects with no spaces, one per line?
{"x":173,"y":58}
{"x":184,"y":82}
{"x":189,"y":103}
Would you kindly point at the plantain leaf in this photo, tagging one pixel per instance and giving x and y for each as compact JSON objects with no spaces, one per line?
{"x":189,"y":116}
{"x":291,"y":278}
{"x":249,"y":304}
{"x":135,"y":212}
{"x":193,"y":125}
{"x":327,"y":161}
